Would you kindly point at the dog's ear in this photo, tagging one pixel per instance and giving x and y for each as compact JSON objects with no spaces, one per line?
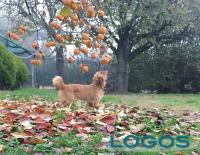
{"x":100,"y":81}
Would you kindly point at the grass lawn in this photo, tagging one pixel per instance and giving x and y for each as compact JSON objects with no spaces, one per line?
{"x":177,"y":101}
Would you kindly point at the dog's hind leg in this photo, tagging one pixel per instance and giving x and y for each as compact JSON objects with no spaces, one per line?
{"x":90,"y":104}
{"x":93,"y":104}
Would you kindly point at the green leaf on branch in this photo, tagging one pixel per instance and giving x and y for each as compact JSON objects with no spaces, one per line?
{"x":65,"y":12}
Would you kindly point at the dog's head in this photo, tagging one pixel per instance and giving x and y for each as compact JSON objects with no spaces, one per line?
{"x":100,"y":79}
{"x":58,"y":82}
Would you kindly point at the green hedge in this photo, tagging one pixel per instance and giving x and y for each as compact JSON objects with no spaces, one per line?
{"x":13,"y":72}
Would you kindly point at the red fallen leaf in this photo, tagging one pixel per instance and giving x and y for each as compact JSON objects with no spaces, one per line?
{"x":24,"y":118}
{"x":84,"y":117}
{"x":39,"y":119}
{"x":77,"y":113}
{"x":67,"y":124}
{"x":43,"y":125}
{"x":108,"y":119}
{"x":10,"y":115}
{"x":78,"y":125}
{"x":26,"y":141}
{"x":29,"y":132}
{"x":110,"y":128}
{"x":79,"y":131}
{"x":69,"y":118}
{"x":124,"y":123}
{"x":39,"y":109}
{"x":27,"y":113}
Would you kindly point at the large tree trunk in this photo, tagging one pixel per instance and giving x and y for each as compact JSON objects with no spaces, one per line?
{"x":59,"y":62}
{"x":122,"y":68}
{"x":122,"y":75}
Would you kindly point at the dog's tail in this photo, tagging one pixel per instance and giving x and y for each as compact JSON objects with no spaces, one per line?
{"x":58,"y":82}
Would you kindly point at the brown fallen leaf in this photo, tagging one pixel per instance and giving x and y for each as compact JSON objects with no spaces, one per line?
{"x":40,"y":109}
{"x":1,"y":147}
{"x":12,"y":106}
{"x":179,"y":153}
{"x":35,"y":141}
{"x":68,"y":149}
{"x":43,"y":125}
{"x":19,"y":135}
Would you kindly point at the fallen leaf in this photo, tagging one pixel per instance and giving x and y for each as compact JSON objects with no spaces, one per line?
{"x":68,"y":149}
{"x":87,"y":129}
{"x":83,"y":136}
{"x":4,"y":127}
{"x":10,"y":116}
{"x":179,"y":153}
{"x":40,"y":109}
{"x":1,"y":147}
{"x":136,"y":129}
{"x":108,"y":119}
{"x":19,"y":135}
{"x":35,"y":141}
{"x":194,"y":153}
{"x":27,"y":124}
{"x":194,"y":133}
{"x":110,"y":128}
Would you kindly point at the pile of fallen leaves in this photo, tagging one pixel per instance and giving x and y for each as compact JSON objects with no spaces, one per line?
{"x":36,"y":122}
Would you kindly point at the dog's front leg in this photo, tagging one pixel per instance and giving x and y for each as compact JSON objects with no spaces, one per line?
{"x":94,"y":105}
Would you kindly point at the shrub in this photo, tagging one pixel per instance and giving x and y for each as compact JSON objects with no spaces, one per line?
{"x":7,"y":69}
{"x":22,"y":73}
{"x":13,"y":72}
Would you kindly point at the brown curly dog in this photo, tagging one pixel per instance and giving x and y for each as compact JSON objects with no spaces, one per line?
{"x":91,"y":93}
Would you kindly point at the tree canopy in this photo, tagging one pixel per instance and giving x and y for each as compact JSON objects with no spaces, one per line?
{"x":129,"y":28}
